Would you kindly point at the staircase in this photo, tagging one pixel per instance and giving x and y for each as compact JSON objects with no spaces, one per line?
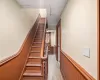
{"x":35,"y":67}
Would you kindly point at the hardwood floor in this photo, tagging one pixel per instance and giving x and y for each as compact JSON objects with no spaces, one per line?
{"x":54,"y":69}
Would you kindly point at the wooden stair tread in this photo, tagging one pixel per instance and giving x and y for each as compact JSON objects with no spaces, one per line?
{"x":35,"y":51}
{"x":42,"y":20}
{"x":31,"y":78}
{"x":33,"y":57}
{"x":37,"y":42}
{"x":36,"y":46}
{"x":39,"y":34}
{"x":33,"y":64}
{"x":33,"y":69}
{"x":39,"y":38}
{"x":32,"y":73}
{"x":40,"y":30}
{"x":33,"y":54}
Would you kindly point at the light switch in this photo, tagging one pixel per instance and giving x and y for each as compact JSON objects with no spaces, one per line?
{"x":86,"y":52}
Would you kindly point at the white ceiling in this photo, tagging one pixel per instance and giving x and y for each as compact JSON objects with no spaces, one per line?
{"x":54,"y":8}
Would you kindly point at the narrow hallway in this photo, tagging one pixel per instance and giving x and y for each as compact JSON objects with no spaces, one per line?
{"x":49,"y":40}
{"x":54,"y":69}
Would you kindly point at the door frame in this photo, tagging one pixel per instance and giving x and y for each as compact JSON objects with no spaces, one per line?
{"x":49,"y":44}
{"x":58,"y":25}
{"x":98,"y":52}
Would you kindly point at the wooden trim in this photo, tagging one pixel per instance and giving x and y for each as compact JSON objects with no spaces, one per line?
{"x":60,"y":34}
{"x":57,"y":42}
{"x":79,"y":69}
{"x":98,"y":53}
{"x":28,"y":55}
{"x":14,"y":64}
{"x":49,"y":38}
{"x":62,"y":73}
{"x":59,"y":23}
{"x":43,"y":39}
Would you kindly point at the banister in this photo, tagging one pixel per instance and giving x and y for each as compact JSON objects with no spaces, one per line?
{"x":43,"y":40}
{"x":46,"y":53}
{"x":45,"y":64}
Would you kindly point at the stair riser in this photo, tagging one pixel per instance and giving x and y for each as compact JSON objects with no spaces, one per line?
{"x":38,"y":36}
{"x":37,"y":40}
{"x":39,"y":31}
{"x":41,"y":28}
{"x":34,"y":68}
{"x":32,"y":78}
{"x":34,"y":54}
{"x":35,"y":44}
{"x":35,"y":49}
{"x":38,"y":60}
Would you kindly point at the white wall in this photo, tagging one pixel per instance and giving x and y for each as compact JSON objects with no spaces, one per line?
{"x":52,"y":27}
{"x":32,"y":13}
{"x":43,"y":13}
{"x":15,"y":23}
{"x":53,"y":37}
{"x":79,"y":31}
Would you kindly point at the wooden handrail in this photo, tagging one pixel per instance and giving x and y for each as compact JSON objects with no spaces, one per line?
{"x":44,"y":55}
{"x":43,"y":40}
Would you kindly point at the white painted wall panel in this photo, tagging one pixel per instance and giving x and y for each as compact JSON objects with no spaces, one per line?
{"x":79,"y":31}
{"x":15,"y":23}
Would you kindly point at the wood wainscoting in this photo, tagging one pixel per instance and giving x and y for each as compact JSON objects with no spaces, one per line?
{"x":11,"y":68}
{"x":71,"y":70}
